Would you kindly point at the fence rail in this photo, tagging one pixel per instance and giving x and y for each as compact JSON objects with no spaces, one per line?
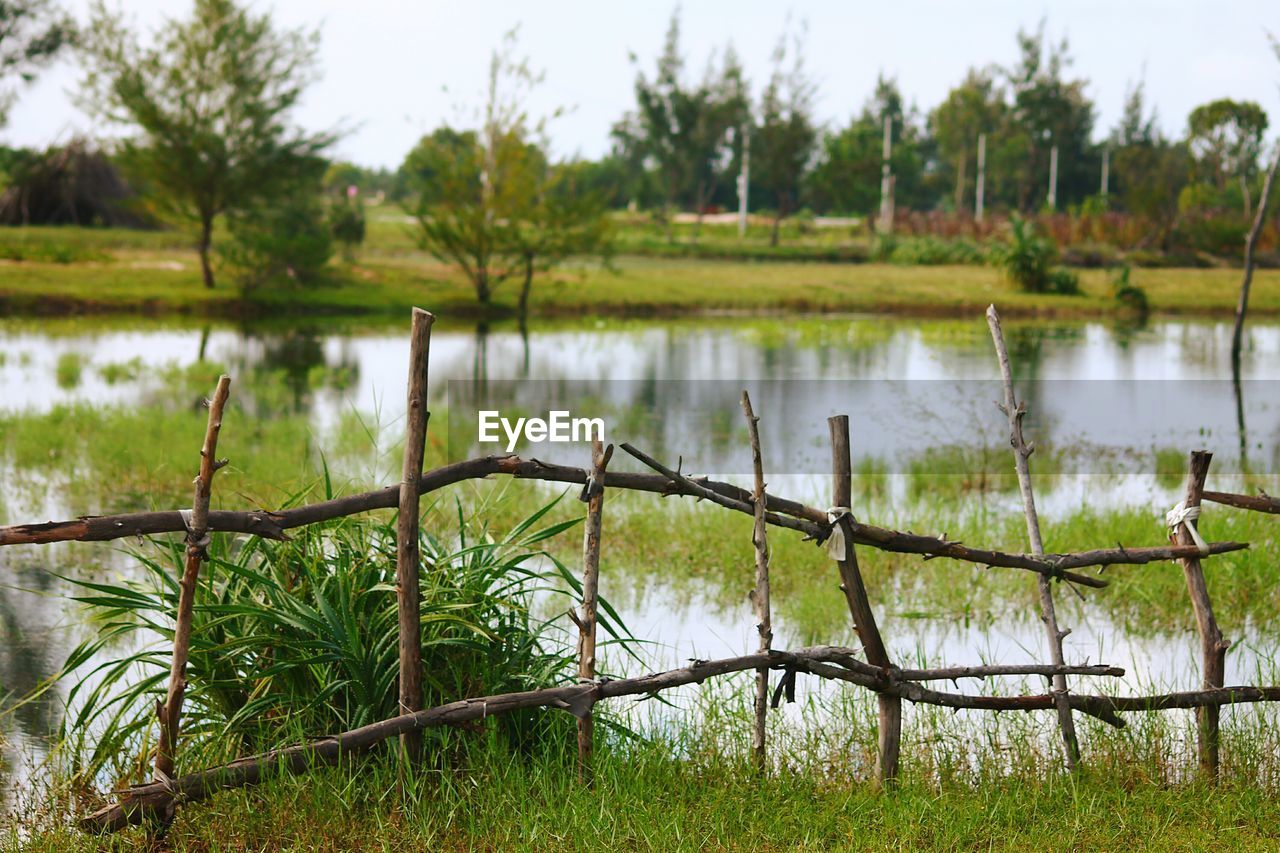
{"x":836,"y":529}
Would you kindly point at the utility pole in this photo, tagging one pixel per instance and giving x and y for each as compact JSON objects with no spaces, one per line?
{"x":744,"y":184}
{"x":1053,"y":178}
{"x":886,"y":179}
{"x":980,"y":195}
{"x":1106,"y":172}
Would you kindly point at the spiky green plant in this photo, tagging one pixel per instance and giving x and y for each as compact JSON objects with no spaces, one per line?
{"x":299,"y":639}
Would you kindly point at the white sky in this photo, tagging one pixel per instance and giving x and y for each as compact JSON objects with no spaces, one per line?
{"x":386,"y":64}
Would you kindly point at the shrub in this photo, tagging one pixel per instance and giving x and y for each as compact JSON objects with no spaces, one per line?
{"x":1129,"y":296}
{"x":1027,"y":260}
{"x":298,"y":639}
{"x":346,"y":222}
{"x":286,"y":243}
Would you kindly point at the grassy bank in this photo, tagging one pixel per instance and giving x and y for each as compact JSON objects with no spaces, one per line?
{"x":68,"y":270}
{"x":649,"y":801}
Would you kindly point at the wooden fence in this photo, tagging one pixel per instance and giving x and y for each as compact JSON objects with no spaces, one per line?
{"x":835,"y":528}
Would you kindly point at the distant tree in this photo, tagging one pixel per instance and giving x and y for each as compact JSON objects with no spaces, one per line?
{"x":1148,"y":171}
{"x":847,"y":178}
{"x":210,"y":102}
{"x":32,"y":32}
{"x":490,"y":202}
{"x":782,"y":144}
{"x":1050,"y":110}
{"x":1225,"y":137}
{"x":686,"y":130}
{"x":974,"y":107}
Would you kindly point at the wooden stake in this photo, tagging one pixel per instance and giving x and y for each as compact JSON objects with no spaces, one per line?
{"x":1022,"y":451}
{"x":1213,"y":648}
{"x":1237,"y":334}
{"x":855,"y":593}
{"x":593,"y":493}
{"x":759,"y":595}
{"x":408,"y":597}
{"x":170,"y":713}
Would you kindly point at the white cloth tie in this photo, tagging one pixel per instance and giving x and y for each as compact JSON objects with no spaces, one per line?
{"x":1187,"y":515}
{"x":837,"y":549}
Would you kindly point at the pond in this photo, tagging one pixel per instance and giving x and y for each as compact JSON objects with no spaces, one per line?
{"x":88,"y":405}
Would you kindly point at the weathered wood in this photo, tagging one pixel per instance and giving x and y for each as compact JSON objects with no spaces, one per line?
{"x":1250,"y":244}
{"x":1213,"y":648}
{"x":760,"y":594}
{"x":143,"y":801}
{"x":855,"y":593}
{"x":789,"y":514}
{"x":408,"y":594}
{"x":593,"y":493}
{"x":170,"y":713}
{"x":1015,"y":411}
{"x":951,"y":673}
{"x":1257,"y":503}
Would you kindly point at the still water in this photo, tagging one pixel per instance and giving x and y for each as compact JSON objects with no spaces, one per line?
{"x":1105,"y":400}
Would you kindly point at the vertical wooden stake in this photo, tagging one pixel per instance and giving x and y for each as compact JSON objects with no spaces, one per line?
{"x":407,"y":591}
{"x":1213,"y":648}
{"x":593,"y":494}
{"x":170,"y":713}
{"x":1015,"y":411}
{"x":759,"y":595}
{"x":855,"y":594}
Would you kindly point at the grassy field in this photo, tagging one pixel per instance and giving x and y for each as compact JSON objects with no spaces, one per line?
{"x":80,"y":270}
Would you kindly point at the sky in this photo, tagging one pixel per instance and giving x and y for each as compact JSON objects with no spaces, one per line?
{"x":392,"y":71}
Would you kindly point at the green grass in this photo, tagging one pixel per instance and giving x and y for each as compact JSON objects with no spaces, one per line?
{"x":647,"y":800}
{"x":154,"y":272}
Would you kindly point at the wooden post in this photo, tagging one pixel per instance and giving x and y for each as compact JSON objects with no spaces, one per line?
{"x":1237,"y":334}
{"x":980,"y":191}
{"x":1213,"y":648}
{"x":593,"y":493}
{"x":1022,"y":451}
{"x":1053,"y":178}
{"x":759,"y":595}
{"x":170,"y":713}
{"x":855,"y":593}
{"x":408,"y":597}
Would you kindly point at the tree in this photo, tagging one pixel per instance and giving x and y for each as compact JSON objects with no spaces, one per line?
{"x":973,"y":108}
{"x":210,"y":103}
{"x":847,"y":177}
{"x":686,"y":130}
{"x":489,"y":201}
{"x":782,"y":143}
{"x":32,"y":32}
{"x":1049,"y":111}
{"x":1149,"y":171}
{"x":1225,"y":137}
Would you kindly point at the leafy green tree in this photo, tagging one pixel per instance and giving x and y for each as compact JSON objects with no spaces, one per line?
{"x":1225,"y":137}
{"x":782,"y":144}
{"x":32,"y":32}
{"x":1049,"y":110}
{"x":847,"y":178}
{"x":687,"y":130}
{"x":1148,"y":171}
{"x":974,"y":107}
{"x":209,"y":102}
{"x":490,"y":203}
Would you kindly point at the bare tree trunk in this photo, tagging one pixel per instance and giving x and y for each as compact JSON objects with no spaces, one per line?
{"x":204,"y":246}
{"x":408,"y":597}
{"x":525,"y":287}
{"x":1015,"y":411}
{"x":1237,"y":334}
{"x":170,"y":713}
